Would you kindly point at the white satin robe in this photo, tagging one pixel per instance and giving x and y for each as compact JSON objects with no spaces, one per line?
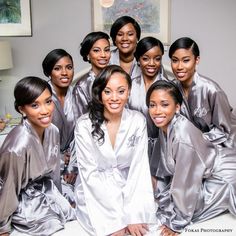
{"x":200,"y":179}
{"x":208,"y":106}
{"x":114,"y":185}
{"x":30,"y":202}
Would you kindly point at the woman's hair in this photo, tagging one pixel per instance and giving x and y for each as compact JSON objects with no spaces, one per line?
{"x":28,"y":89}
{"x":96,"y":107}
{"x":168,"y":86}
{"x":120,"y":22}
{"x":52,"y":58}
{"x":184,"y":43}
{"x":146,"y":44}
{"x":89,"y":41}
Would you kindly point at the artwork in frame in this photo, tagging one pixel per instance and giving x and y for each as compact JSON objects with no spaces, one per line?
{"x":152,"y":15}
{"x":15,"y":18}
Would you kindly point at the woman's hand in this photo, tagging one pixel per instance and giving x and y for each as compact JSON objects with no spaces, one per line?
{"x":165,"y":231}
{"x":137,"y":229}
{"x":120,"y":232}
{"x":70,"y":178}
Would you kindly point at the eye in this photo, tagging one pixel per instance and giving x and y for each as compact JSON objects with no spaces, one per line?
{"x":174,"y":60}
{"x":69,"y":67}
{"x":95,"y":50}
{"x":119,"y":34}
{"x":186,"y":60}
{"x":121,"y":91}
{"x":34,"y":105}
{"x":107,"y":50}
{"x":145,"y":59}
{"x":130,"y":33}
{"x":107,"y":92}
{"x":152,"y":105}
{"x":165,"y":104}
{"x":57,"y":68}
{"x":48,"y":102}
{"x":157,"y":59}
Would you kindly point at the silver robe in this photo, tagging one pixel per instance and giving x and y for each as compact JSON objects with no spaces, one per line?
{"x":208,"y":108}
{"x":64,"y":118}
{"x":30,"y":202}
{"x":114,"y":185}
{"x":82,"y":93}
{"x":135,"y":70}
{"x":200,"y":179}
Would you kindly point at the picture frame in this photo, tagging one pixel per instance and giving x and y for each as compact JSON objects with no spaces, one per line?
{"x":152,"y":15}
{"x":15,"y":18}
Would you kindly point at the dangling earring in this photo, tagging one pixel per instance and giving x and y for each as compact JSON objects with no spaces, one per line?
{"x":88,"y":58}
{"x":23,"y":115}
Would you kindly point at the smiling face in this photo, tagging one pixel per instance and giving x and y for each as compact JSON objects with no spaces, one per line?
{"x":115,"y":95}
{"x":99,"y":55}
{"x":39,"y":112}
{"x":183,"y":64}
{"x":150,"y":62}
{"x":62,"y":73}
{"x":162,"y":108}
{"x":126,"y":39}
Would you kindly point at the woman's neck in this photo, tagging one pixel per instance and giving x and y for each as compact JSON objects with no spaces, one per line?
{"x":148,"y":81}
{"x":61,"y":93}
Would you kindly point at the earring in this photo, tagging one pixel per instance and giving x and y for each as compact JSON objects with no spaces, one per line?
{"x":88,"y":58}
{"x":23,"y":115}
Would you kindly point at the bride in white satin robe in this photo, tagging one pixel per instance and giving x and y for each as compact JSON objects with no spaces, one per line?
{"x":113,"y":188}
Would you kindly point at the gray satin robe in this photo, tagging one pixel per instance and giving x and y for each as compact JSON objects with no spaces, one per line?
{"x":115,"y":60}
{"x":64,"y":118}
{"x":114,"y":187}
{"x":208,"y":108}
{"x":30,"y":202}
{"x":200,"y":178}
{"x":82,"y":93}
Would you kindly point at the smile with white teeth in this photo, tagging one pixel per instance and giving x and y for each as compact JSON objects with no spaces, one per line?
{"x":114,"y":105}
{"x":45,"y":119}
{"x":65,"y":80}
{"x":151,"y":70}
{"x":125,"y":45}
{"x":158,"y":119}
{"x":181,"y":74}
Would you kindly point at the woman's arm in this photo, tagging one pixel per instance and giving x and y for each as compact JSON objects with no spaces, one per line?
{"x":11,"y":167}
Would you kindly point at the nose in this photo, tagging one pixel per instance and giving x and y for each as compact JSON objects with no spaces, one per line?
{"x":179,"y":65}
{"x":114,"y":96}
{"x":44,"y":109}
{"x":64,"y":71}
{"x":103,"y":53}
{"x":151,"y":61}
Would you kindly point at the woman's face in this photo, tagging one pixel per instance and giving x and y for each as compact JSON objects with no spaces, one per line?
{"x":126,"y":39}
{"x":150,"y":62}
{"x":115,"y":95}
{"x":162,"y":108}
{"x":39,"y":113}
{"x":99,"y":54}
{"x":62,"y":73}
{"x":183,"y":64}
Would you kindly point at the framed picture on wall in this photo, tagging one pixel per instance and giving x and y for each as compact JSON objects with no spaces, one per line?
{"x":152,"y":15}
{"x":15,"y":18}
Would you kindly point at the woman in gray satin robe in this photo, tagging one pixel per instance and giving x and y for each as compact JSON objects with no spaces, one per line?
{"x":95,"y":49}
{"x":205,"y":103}
{"x":200,"y":179}
{"x":58,"y":66}
{"x":113,"y":189}
{"x":30,"y":200}
{"x":125,"y":33}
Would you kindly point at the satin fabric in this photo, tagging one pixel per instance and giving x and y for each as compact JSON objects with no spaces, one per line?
{"x":64,"y":119}
{"x":30,"y":171}
{"x":200,"y":179}
{"x":82,"y":93}
{"x":137,"y":100}
{"x":113,"y":188}
{"x":208,"y":108}
{"x":135,"y":70}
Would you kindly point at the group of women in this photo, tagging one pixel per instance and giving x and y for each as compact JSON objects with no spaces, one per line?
{"x":124,"y":150}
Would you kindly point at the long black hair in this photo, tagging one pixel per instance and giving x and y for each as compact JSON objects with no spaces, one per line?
{"x":96,"y":107}
{"x":28,"y":89}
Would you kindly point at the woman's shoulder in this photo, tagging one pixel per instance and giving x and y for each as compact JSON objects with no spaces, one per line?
{"x":207,"y":83}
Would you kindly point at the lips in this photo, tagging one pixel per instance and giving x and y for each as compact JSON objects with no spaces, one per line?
{"x":114,"y":105}
{"x":181,"y":74}
{"x":45,"y":120}
{"x":125,"y":45}
{"x":102,"y":62}
{"x":65,"y":80}
{"x":151,"y":70}
{"x":158,"y":120}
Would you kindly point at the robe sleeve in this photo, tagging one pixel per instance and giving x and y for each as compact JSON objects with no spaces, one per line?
{"x":139,"y":205}
{"x":177,"y":202}
{"x":221,"y":123}
{"x":81,"y":101}
{"x":11,"y":175}
{"x":103,"y":196}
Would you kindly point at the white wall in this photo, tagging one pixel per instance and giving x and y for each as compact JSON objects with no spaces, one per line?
{"x":64,"y":23}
